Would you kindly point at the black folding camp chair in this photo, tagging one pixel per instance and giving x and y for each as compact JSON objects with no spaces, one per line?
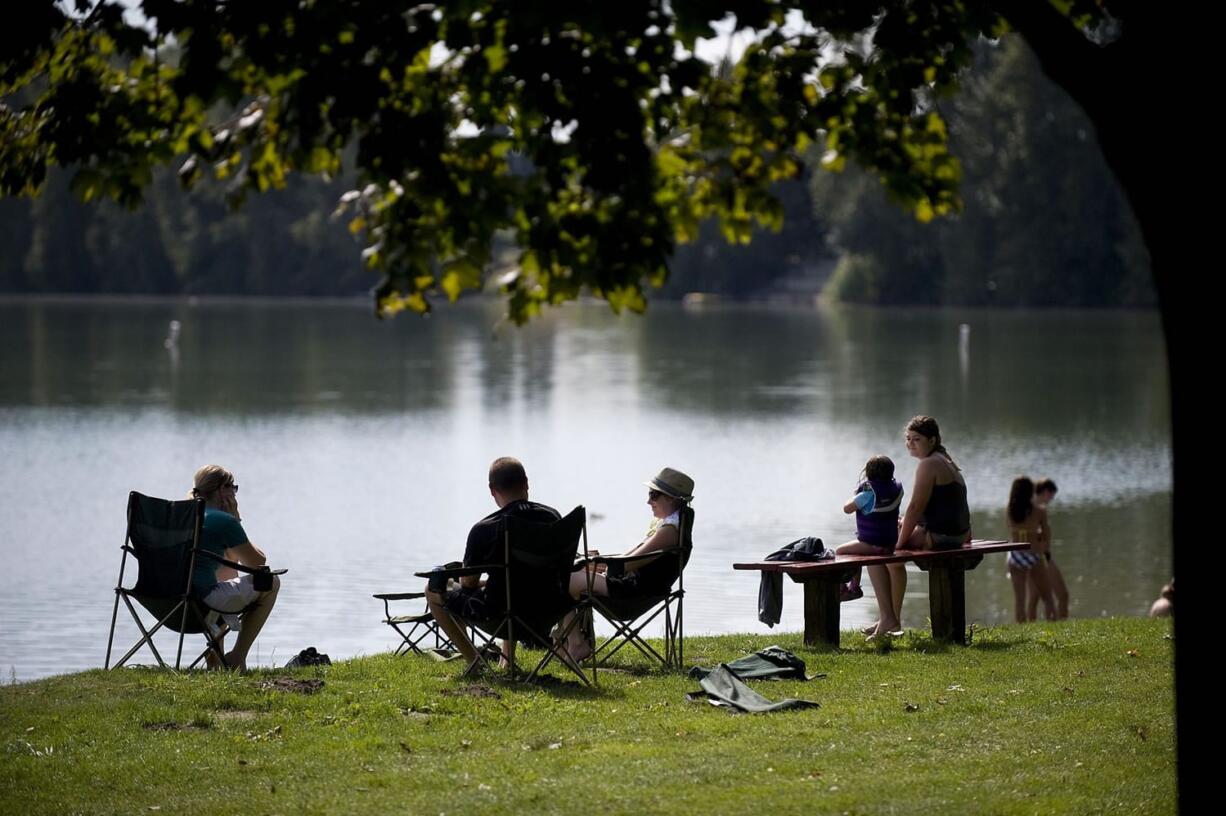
{"x":529,"y":592}
{"x":164,"y":538}
{"x":413,"y":629}
{"x":629,"y":615}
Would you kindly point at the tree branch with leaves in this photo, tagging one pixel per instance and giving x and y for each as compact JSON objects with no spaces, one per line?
{"x":593,"y":135}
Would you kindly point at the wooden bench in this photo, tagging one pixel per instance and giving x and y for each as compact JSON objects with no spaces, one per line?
{"x":823,"y":581}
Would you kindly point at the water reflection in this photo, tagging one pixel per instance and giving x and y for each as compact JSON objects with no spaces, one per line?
{"x":227,"y":358}
{"x":362,"y":445}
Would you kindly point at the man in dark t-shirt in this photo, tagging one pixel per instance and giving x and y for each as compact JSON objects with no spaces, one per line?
{"x":452,"y":608}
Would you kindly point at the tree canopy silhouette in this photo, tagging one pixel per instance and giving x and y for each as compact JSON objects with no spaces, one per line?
{"x":594,"y":134}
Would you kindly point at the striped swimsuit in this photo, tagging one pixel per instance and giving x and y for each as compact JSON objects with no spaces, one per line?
{"x":1022,"y":559}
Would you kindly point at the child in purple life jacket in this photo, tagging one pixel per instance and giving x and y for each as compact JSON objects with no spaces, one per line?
{"x":878,"y":497}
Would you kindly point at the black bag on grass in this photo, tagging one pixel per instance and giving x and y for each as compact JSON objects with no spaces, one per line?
{"x":308,"y":657}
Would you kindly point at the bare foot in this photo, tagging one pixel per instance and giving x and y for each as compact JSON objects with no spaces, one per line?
{"x":579,"y":650}
{"x":573,"y":655}
{"x":234,"y":664}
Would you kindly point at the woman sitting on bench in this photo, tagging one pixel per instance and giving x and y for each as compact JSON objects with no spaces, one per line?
{"x":937,"y":517}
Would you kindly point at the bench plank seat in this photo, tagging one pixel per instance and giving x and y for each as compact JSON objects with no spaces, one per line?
{"x":823,"y":581}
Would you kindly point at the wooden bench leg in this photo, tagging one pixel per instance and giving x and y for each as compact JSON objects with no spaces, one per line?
{"x":822,"y":610}
{"x":947,"y":602}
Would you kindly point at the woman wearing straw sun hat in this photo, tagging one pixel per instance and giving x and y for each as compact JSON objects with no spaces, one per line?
{"x":668,"y":492}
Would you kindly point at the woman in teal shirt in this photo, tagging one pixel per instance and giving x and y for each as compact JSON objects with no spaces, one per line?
{"x":221,"y":587}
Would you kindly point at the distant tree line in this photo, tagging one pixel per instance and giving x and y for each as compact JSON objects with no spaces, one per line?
{"x":1044,"y":224}
{"x":279,"y":243}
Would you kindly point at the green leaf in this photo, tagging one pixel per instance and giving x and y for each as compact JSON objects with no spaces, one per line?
{"x":626,"y":297}
{"x":458,"y":276}
{"x":495,"y":57}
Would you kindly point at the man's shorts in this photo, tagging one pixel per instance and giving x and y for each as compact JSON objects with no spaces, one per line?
{"x":465,"y":603}
{"x":232,"y":596}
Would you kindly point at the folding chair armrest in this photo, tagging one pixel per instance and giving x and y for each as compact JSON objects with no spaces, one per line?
{"x":626,"y":559}
{"x":460,"y":572}
{"x":240,"y":567}
{"x":399,"y":596}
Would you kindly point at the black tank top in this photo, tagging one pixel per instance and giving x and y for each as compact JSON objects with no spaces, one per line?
{"x":947,"y":512}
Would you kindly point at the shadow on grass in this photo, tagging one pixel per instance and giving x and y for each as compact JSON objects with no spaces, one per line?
{"x":556,"y":680}
{"x":635,"y":669}
{"x":917,"y":641}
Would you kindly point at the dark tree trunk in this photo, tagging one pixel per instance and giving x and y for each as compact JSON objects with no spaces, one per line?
{"x":1129,"y":88}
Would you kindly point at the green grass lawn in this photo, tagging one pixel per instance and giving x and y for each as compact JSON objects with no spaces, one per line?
{"x":1075,"y":717}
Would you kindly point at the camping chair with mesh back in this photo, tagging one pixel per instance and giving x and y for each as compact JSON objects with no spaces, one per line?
{"x":424,"y":622}
{"x":419,"y":626}
{"x":629,"y":615}
{"x":164,"y":538}
{"x":529,"y":592}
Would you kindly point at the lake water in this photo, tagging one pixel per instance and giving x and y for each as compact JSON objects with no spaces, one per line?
{"x":362,"y":446}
